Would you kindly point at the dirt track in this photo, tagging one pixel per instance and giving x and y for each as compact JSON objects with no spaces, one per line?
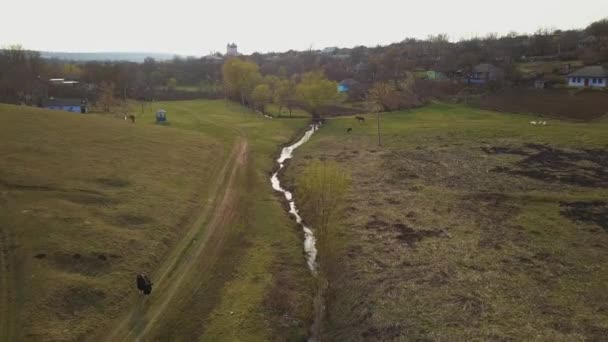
{"x":194,"y":254}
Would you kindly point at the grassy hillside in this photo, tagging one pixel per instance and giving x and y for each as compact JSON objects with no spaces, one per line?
{"x":86,"y":202}
{"x":469,"y":225}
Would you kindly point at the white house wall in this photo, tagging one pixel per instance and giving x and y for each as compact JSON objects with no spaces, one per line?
{"x":572,"y":82}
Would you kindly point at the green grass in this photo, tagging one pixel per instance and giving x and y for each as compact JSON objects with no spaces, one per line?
{"x":125,"y":198}
{"x":546,"y":68}
{"x":440,"y":245}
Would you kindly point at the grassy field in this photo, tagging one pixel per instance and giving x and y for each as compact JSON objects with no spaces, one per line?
{"x":89,"y":201}
{"x":469,"y":225}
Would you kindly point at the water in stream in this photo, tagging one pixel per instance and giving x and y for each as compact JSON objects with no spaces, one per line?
{"x":309,"y":238}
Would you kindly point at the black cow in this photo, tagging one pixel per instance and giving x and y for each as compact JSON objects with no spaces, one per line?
{"x":348,"y":130}
{"x":360,"y":119}
{"x":144,"y":284}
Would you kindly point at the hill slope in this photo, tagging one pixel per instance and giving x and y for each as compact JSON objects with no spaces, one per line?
{"x":86,"y":202}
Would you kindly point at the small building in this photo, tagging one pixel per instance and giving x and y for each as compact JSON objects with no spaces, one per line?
{"x":232,"y":50}
{"x":484,"y":73}
{"x":68,"y":105}
{"x":434,"y":75}
{"x":592,"y":76}
{"x":588,"y":42}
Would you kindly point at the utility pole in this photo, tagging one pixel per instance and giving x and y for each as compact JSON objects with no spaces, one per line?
{"x":379,"y":139}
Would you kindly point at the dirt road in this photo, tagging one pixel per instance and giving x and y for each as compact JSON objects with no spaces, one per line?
{"x":195,"y":253}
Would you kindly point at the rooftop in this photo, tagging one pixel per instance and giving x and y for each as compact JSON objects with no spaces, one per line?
{"x":590,"y":71}
{"x":56,"y":102}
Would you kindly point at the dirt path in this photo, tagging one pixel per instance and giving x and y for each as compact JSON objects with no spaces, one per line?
{"x":194,"y":254}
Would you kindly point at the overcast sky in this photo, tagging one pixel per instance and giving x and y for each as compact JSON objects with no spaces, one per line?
{"x":196,"y":27}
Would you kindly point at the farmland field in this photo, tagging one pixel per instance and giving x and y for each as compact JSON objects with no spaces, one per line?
{"x":469,"y":224}
{"x":89,"y":201}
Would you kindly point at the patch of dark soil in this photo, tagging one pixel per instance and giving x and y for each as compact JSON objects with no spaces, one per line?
{"x":354,"y":251}
{"x":113,"y":182}
{"x":376,"y":223}
{"x":504,"y":150}
{"x":40,"y":256}
{"x":131,"y":220}
{"x":561,"y":103}
{"x":384,"y":333}
{"x":392,"y":201}
{"x":352,"y":209}
{"x":84,"y":264}
{"x":75,"y":301}
{"x":412,"y":236}
{"x":30,"y":187}
{"x":586,"y":167}
{"x":593,"y":212}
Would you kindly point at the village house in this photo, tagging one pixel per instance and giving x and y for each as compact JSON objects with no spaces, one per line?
{"x":484,"y":73}
{"x":434,"y":75}
{"x":591,"y":76}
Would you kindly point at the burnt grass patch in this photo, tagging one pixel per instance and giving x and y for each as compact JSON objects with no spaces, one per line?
{"x":91,"y":264}
{"x":113,"y":182}
{"x":584,"y":167}
{"x":90,"y":199}
{"x":592,"y":212}
{"x":405,"y":233}
{"x":411,"y":236}
{"x":131,"y":220}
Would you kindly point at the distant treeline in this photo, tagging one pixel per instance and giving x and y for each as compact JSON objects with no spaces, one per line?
{"x":25,"y":75}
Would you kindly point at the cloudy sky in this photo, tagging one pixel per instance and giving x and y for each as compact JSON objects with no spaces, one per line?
{"x":196,"y":27}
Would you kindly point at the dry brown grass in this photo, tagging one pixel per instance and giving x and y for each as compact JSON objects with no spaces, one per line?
{"x":448,"y":240}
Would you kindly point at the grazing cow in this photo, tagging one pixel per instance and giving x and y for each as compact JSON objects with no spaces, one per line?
{"x":348,"y":130}
{"x":144,"y":284}
{"x":360,"y":119}
{"x":132,"y":118}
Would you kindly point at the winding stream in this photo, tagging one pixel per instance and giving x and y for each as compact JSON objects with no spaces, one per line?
{"x":309,"y":237}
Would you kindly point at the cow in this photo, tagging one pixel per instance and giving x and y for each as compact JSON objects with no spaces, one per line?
{"x":360,"y":119}
{"x":132,"y":118}
{"x":348,"y":130}
{"x":144,"y":284}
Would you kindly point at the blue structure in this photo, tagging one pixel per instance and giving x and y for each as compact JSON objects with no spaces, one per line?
{"x":161,"y":116}
{"x":346,"y":85}
{"x":342,"y":88}
{"x":68,"y":105}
